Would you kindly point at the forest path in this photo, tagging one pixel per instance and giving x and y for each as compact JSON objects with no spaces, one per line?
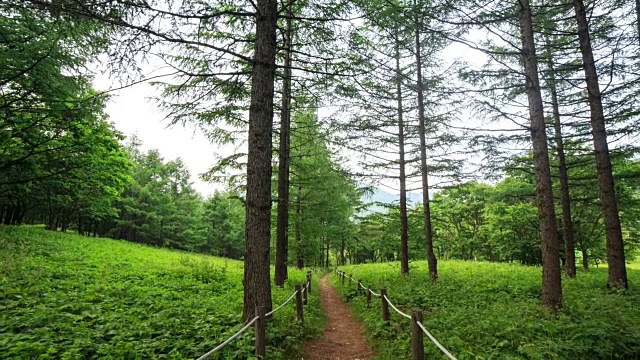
{"x":343,"y":336}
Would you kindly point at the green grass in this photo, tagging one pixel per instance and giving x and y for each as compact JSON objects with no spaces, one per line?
{"x":492,"y":311}
{"x":72,"y":297}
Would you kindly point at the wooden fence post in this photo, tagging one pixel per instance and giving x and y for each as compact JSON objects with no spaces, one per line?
{"x":369,"y":296}
{"x":350,"y":278}
{"x":417,"y":336}
{"x":305,"y":294}
{"x":260,"y":325}
{"x":299,"y":308}
{"x":343,"y":279}
{"x":385,"y":306}
{"x":359,"y":286}
{"x":309,"y":283}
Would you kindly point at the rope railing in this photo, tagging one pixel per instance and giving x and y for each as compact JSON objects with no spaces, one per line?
{"x":416,"y":319}
{"x":206,"y":356}
{"x":300,"y":293}
{"x":436,"y":342}
{"x":281,"y":305}
{"x":396,"y":309}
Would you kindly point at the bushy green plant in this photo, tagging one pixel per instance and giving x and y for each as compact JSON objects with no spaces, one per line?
{"x":481,"y":310}
{"x":72,"y":297}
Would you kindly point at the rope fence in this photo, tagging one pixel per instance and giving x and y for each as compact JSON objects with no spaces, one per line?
{"x":396,"y":309}
{"x":259,"y":322}
{"x":283,"y":304}
{"x":418,"y":330}
{"x":206,"y":356}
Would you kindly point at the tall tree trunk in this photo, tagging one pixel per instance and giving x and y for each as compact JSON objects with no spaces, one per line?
{"x":326,"y":264}
{"x":431,"y":257}
{"x":615,"y":247}
{"x":9,"y":216}
{"x":257,"y":286}
{"x":355,"y":251}
{"x":404,"y":228}
{"x":342,"y":250}
{"x":551,"y":279}
{"x":585,"y":258}
{"x":282,"y":230}
{"x":299,"y":245}
{"x":565,"y":199}
{"x":638,"y":19}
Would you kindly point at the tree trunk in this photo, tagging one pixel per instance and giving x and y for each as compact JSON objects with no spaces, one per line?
{"x":404,"y":228}
{"x":8,"y":216}
{"x":431,"y":257}
{"x":354,"y":251}
{"x":282,"y":230}
{"x":585,"y":259}
{"x":52,"y":223}
{"x":326,"y":264}
{"x":565,"y":199}
{"x":638,"y":19}
{"x":342,"y":262}
{"x":299,"y":245}
{"x":257,"y":286}
{"x":551,"y":279}
{"x":615,"y":247}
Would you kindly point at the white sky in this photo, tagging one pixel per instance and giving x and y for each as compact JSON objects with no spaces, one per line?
{"x":133,"y":112}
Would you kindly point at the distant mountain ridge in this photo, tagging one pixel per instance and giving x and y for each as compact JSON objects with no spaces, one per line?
{"x":385,"y":197}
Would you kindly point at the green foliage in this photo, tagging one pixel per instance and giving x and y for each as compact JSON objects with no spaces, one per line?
{"x":224,"y":220}
{"x":481,"y":310}
{"x":323,"y":196}
{"x":499,"y":222}
{"x":70,"y":297}
{"x":160,"y":207}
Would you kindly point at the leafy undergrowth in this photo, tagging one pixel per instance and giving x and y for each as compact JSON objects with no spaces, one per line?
{"x":72,"y":297}
{"x":492,"y":311}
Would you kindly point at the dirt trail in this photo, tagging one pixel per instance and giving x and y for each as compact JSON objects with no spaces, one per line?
{"x":343,"y":337}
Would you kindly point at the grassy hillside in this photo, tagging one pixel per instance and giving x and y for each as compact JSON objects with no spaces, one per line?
{"x":492,"y":311}
{"x":72,"y":297}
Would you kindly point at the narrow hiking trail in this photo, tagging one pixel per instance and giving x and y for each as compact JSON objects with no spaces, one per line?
{"x":343,"y":336}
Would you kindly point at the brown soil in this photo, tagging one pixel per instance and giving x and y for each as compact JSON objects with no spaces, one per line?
{"x":343,"y":337}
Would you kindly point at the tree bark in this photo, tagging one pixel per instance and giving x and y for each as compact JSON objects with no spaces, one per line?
{"x":342,"y":262}
{"x":326,"y":264}
{"x":615,"y":246}
{"x":585,"y":259}
{"x":299,"y":245}
{"x":432,"y":262}
{"x":282,"y":229}
{"x":551,"y":279}
{"x":257,"y":286}
{"x":404,"y":228}
{"x":638,"y":19}
{"x":565,"y":199}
